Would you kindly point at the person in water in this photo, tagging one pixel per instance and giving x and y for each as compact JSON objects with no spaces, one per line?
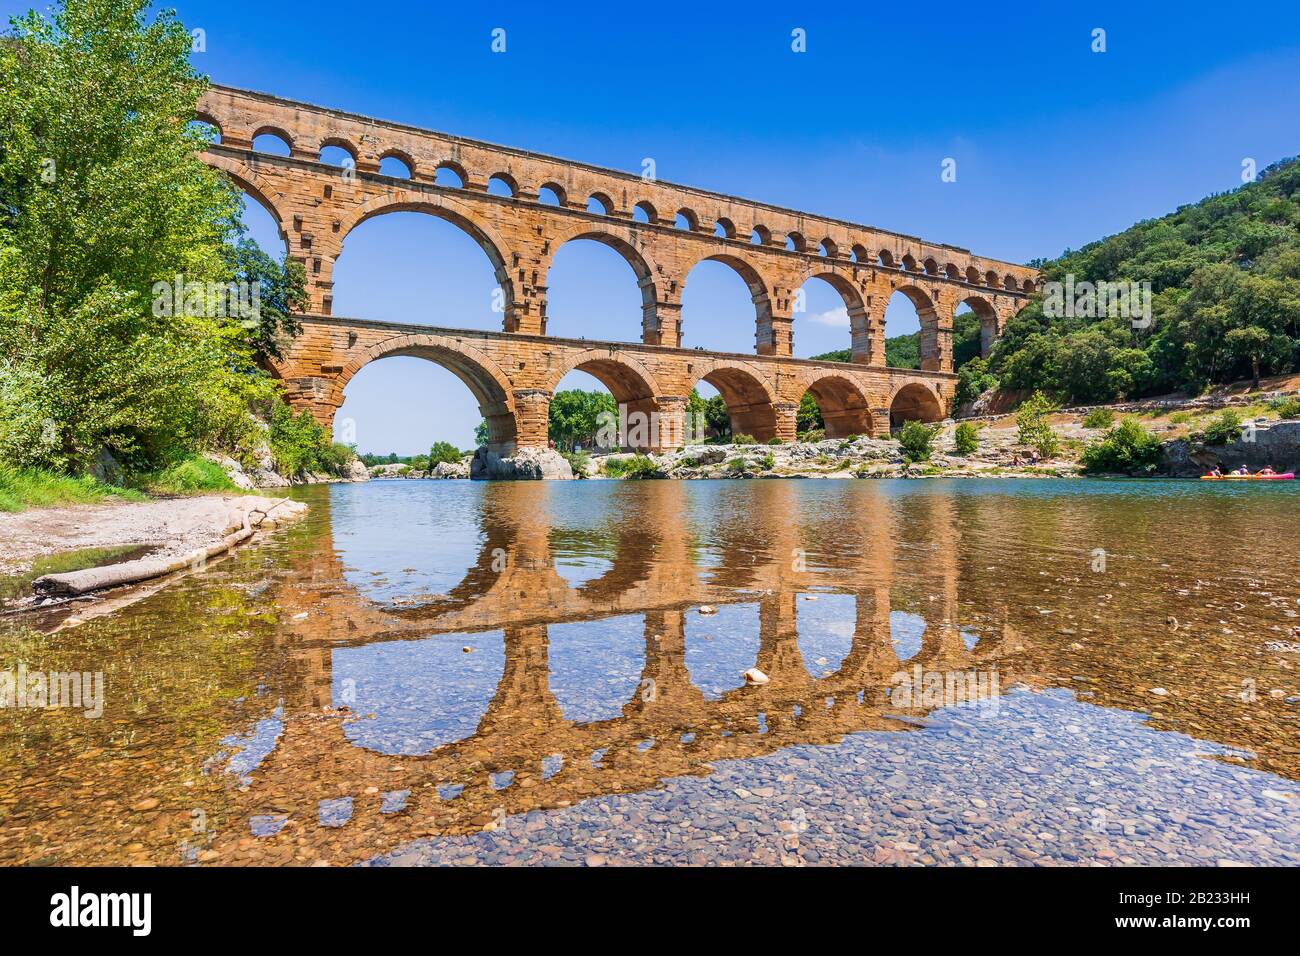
{"x":1215,"y":473}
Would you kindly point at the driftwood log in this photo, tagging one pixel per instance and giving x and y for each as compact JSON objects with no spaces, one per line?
{"x":76,"y":583}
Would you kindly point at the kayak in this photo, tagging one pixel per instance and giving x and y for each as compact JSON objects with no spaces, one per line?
{"x":1287,"y":477}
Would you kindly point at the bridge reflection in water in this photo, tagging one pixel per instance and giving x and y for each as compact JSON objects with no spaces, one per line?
{"x":519,"y":689}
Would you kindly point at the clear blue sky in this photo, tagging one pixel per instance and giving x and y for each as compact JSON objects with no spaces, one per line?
{"x":1055,"y":145}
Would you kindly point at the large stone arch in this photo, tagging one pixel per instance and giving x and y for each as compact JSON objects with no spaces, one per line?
{"x":932,"y":328}
{"x":445,"y":208}
{"x":914,"y":402}
{"x":854,"y":304}
{"x":988,"y":317}
{"x":486,"y":380}
{"x":759,"y":287}
{"x":642,"y":264}
{"x":845,"y":407}
{"x":254,"y":185}
{"x":749,"y":398}
{"x":632,"y":385}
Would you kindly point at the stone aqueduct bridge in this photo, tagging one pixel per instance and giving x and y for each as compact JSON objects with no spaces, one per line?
{"x":662,"y":230}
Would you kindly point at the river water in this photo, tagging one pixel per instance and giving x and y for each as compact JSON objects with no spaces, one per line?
{"x":421,"y":672}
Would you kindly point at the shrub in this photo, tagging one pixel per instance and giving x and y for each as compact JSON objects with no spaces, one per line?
{"x":775,"y":440}
{"x":1287,"y":407}
{"x":443,"y":451}
{"x":737,"y":464}
{"x":1223,"y":429}
{"x":1180,"y":418}
{"x":189,"y":476}
{"x":1034,"y":429}
{"x":1099,"y":418}
{"x":812,"y":435}
{"x":577,"y":461}
{"x":300,"y":444}
{"x":768,"y":462}
{"x":637,"y":466}
{"x":1126,"y":448}
{"x":917,"y":440}
{"x":966,"y":437}
{"x":743,"y":439}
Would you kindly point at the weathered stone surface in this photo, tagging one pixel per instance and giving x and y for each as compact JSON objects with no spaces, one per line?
{"x":450,"y":469}
{"x":526,"y":464}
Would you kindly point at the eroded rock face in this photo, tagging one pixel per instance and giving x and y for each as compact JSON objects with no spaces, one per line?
{"x":527,"y":464}
{"x":1276,"y":445}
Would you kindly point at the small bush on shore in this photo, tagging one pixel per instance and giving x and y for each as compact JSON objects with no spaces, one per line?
{"x":966,"y":438}
{"x":917,"y":441}
{"x":775,"y":440}
{"x":1125,"y":449}
{"x":444,"y":451}
{"x":638,"y":466}
{"x":577,"y":461}
{"x":743,"y":439}
{"x":188,"y":476}
{"x":1223,"y":429}
{"x":1033,"y":428}
{"x":1287,"y":407}
{"x":1099,"y":418}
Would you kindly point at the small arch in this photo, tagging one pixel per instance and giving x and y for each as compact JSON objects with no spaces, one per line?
{"x":972,"y":275}
{"x":930,"y":266}
{"x":760,"y":236}
{"x":724,"y":228}
{"x":599,"y":204}
{"x":845,"y":409}
{"x":1029,"y":285}
{"x":644,"y":211}
{"x":450,"y":175}
{"x":339,"y":145}
{"x":859,"y":254}
{"x":1009,"y":282}
{"x":551,"y":194}
{"x":273,"y":141}
{"x":827,"y":249}
{"x":686,"y":219}
{"x":991,"y":279}
{"x":914,"y":402}
{"x":795,"y":242}
{"x":988,"y":320}
{"x":887,"y":259}
{"x":952,"y":272}
{"x":502,"y":184}
{"x":396,"y":164}
{"x":909,"y":263}
{"x":748,"y":400}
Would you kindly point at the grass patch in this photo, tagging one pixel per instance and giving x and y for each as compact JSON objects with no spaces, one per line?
{"x":189,"y":476}
{"x":23,"y":488}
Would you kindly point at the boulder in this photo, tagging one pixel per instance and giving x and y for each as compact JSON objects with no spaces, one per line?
{"x":450,"y":469}
{"x":357,"y":471}
{"x":526,"y":464}
{"x":1276,"y":445}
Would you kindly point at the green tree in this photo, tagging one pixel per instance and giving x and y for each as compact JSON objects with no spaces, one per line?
{"x":1250,"y":343}
{"x":1033,"y":428}
{"x":576,"y":416}
{"x":1127,"y":448}
{"x":966,"y":438}
{"x":917,"y":440}
{"x":481,"y":433}
{"x":281,"y":294}
{"x":809,"y":415}
{"x":443,"y":451}
{"x":102,"y":196}
{"x":717,"y":417}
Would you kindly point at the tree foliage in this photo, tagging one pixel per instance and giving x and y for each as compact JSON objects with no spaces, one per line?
{"x":1225,"y":283}
{"x":102,"y":197}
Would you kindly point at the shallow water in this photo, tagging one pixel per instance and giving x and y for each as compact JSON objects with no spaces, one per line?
{"x":433,"y":672}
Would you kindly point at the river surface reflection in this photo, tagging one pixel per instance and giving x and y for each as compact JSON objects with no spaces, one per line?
{"x":983,"y":673}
